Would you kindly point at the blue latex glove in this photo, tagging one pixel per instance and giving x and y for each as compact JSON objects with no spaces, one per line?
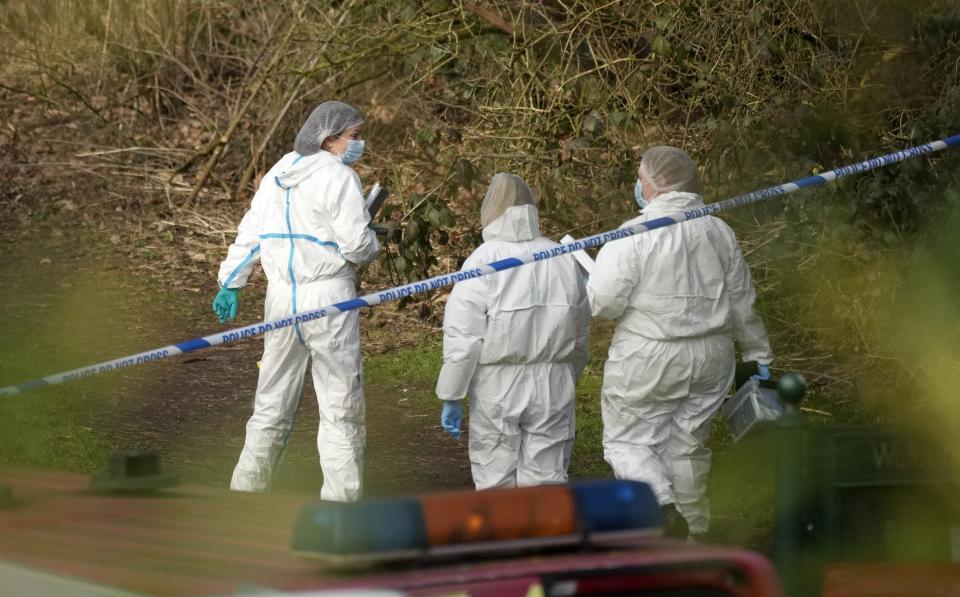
{"x":763,"y":372}
{"x":450,"y":417}
{"x":225,"y":304}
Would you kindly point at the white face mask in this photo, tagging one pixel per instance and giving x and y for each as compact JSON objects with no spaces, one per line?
{"x":353,"y":152}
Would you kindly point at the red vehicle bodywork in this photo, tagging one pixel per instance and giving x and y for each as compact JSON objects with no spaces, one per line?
{"x":198,"y":540}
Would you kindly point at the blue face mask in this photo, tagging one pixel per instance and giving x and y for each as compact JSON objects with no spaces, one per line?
{"x":638,"y":194}
{"x":353,"y":153}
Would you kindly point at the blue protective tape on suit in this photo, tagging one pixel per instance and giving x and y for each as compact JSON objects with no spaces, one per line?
{"x":239,"y":268}
{"x":293,"y":278}
{"x":313,"y":239}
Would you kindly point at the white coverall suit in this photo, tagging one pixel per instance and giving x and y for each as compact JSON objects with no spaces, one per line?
{"x":680,"y":295}
{"x":308,"y":225}
{"x":516,"y":343}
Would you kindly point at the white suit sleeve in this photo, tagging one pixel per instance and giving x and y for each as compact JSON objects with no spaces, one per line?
{"x":748,"y":328}
{"x":613,"y":279}
{"x":244,"y":253}
{"x":351,"y":222}
{"x":581,"y":350}
{"x":464,"y":325}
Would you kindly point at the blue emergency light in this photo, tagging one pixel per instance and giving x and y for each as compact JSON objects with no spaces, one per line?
{"x":602,"y":512}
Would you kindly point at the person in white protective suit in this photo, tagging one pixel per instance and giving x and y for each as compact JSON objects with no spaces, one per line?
{"x":680,"y":296}
{"x":515,"y":342}
{"x":308,"y":226}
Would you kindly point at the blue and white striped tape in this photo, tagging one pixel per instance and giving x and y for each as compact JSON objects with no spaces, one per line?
{"x":436,"y":282}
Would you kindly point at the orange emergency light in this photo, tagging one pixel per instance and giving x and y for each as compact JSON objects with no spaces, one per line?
{"x":459,"y":522}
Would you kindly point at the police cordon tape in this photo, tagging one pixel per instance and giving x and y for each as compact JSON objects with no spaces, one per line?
{"x":436,"y":282}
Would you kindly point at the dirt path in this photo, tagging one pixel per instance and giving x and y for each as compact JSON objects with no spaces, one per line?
{"x":70,"y":300}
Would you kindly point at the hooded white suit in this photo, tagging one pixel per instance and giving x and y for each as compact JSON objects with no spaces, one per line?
{"x":515,"y":343}
{"x":680,"y":295}
{"x":308,"y":226}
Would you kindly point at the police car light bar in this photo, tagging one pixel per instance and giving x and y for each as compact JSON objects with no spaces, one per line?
{"x":597,"y":513}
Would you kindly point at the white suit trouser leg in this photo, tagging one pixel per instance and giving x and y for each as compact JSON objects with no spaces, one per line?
{"x":659,"y":399}
{"x":337,"y":377}
{"x":687,"y":457}
{"x":522,"y":423}
{"x":279,"y":388}
{"x":333,"y":343}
